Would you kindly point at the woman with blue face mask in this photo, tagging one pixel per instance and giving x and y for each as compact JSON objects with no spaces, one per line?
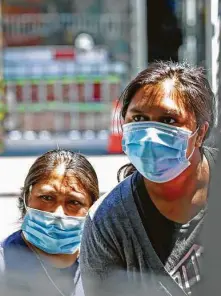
{"x":43,"y":257}
{"x":143,"y":238}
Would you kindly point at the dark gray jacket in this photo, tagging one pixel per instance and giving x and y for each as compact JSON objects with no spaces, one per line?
{"x":116,"y":256}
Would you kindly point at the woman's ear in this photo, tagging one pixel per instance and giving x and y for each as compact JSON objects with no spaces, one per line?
{"x":202,"y":134}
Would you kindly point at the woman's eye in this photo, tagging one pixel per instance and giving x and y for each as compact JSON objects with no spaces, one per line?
{"x":168,"y":120}
{"x":74,"y":202}
{"x":138,"y":118}
{"x":46,"y":198}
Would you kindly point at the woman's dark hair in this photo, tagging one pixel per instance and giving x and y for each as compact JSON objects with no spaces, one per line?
{"x":190,"y":87}
{"x":75,"y":165}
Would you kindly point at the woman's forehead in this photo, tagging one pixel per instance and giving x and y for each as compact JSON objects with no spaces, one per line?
{"x":157,"y":96}
{"x":59,"y":177}
{"x":53,"y":185}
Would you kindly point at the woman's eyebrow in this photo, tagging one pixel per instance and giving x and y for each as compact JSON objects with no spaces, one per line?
{"x":173,"y":112}
{"x":77,"y":195}
{"x":136,"y":110}
{"x":47,"y":189}
{"x":164,"y":111}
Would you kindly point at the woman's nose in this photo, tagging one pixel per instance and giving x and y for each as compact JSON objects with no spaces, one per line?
{"x":59,"y":211}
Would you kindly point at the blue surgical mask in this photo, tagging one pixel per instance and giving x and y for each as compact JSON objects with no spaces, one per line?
{"x":52,"y":232}
{"x":157,"y":150}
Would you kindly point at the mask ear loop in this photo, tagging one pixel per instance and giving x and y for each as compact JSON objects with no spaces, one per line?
{"x":192,"y":135}
{"x":29,"y":191}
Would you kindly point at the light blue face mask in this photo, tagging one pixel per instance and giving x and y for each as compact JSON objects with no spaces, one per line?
{"x":157,"y":150}
{"x":53,"y":233}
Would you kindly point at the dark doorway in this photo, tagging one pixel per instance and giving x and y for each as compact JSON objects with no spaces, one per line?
{"x":164,"y":32}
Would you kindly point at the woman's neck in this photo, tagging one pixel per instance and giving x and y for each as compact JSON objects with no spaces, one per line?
{"x":180,"y":199}
{"x":56,"y":260}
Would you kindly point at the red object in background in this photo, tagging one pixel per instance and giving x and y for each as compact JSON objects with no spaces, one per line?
{"x":64,"y":54}
{"x":97,"y":92}
{"x":18,"y":9}
{"x":115,"y":138}
{"x":50,"y":93}
{"x":21,"y":39}
{"x":19,"y":93}
{"x":34,"y":93}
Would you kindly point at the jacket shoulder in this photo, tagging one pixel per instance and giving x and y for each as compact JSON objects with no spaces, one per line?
{"x":111,"y":202}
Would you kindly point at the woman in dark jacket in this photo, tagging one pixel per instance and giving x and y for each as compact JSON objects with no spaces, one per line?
{"x":143,"y":238}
